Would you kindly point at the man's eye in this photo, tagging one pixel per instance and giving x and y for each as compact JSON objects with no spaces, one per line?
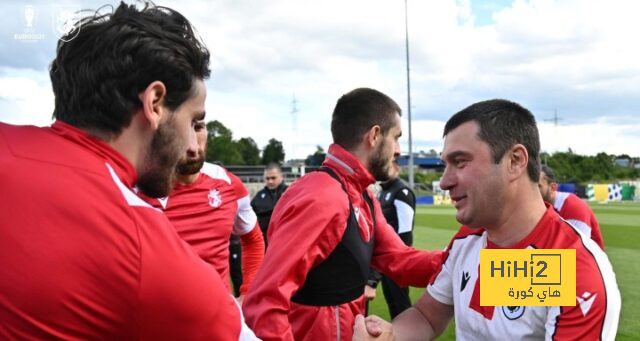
{"x":460,"y":163}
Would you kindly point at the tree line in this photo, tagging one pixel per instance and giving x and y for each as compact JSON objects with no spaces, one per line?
{"x":582,"y":169}
{"x":569,"y":167}
{"x":221,"y":147}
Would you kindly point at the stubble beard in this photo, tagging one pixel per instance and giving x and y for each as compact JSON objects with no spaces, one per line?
{"x":160,"y":162}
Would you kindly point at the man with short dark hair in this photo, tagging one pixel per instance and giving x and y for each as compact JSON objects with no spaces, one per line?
{"x":492,"y":170}
{"x":569,"y":206}
{"x":327,"y":231}
{"x":265,"y":200}
{"x":81,"y":256}
{"x":206,"y":206}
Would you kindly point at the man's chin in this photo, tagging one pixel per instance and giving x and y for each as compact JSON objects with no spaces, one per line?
{"x":156,"y":185}
{"x":189,"y":168}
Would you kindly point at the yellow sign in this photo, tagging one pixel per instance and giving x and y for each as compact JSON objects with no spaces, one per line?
{"x":528,"y":277}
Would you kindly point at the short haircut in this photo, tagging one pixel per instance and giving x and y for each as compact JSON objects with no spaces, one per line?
{"x":359,"y":110}
{"x":502,"y":125}
{"x":548,"y":171}
{"x":100,"y":70}
{"x":272,"y":166}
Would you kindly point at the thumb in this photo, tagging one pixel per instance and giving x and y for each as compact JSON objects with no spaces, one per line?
{"x":359,"y":328}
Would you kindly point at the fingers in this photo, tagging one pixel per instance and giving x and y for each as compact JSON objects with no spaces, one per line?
{"x":372,"y":327}
{"x":373,"y":324}
{"x":359,"y":329}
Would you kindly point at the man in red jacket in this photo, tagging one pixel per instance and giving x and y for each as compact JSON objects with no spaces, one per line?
{"x":81,"y":256}
{"x":328,"y":230}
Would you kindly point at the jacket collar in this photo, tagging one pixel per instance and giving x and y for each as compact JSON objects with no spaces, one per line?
{"x":117,"y":161}
{"x":348,"y":167}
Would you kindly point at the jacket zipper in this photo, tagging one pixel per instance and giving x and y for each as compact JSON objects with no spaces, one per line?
{"x":338,"y":322}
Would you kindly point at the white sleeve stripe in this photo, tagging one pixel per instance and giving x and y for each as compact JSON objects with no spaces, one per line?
{"x":405,"y":216}
{"x":581,"y":226}
{"x":612,"y":300}
{"x":245,"y":219}
{"x":131,"y":198}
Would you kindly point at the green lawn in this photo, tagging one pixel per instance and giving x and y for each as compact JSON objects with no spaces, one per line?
{"x":620,"y":224}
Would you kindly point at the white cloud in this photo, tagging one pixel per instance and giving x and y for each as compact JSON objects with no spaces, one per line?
{"x":574,"y":56}
{"x":591,"y":138}
{"x":25,"y":97}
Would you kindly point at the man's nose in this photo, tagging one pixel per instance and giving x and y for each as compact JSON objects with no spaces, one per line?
{"x":448,"y":179}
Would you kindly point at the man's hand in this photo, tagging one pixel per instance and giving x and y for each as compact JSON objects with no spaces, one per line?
{"x":369,"y":293}
{"x":372,"y":328}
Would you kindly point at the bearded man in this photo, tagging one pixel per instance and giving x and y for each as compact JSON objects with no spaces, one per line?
{"x":328,"y":230}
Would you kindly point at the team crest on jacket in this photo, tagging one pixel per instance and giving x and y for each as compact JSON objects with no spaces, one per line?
{"x":215,"y":200}
{"x":513,"y":313}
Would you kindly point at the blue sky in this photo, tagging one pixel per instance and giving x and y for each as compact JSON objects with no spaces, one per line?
{"x":573,"y":57}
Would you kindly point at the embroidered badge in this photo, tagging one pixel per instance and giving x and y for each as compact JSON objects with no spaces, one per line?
{"x":214,"y":198}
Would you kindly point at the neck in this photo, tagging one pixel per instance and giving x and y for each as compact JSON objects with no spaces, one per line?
{"x":133,"y":143}
{"x":361,"y":155}
{"x":552,"y":197}
{"x":186,"y":179}
{"x":523,"y":210}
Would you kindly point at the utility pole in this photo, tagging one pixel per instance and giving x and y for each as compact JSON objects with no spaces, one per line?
{"x":294,"y":126}
{"x":555,"y":118}
{"x":406,"y":34}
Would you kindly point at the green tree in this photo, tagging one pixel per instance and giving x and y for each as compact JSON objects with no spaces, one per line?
{"x":249,"y":151}
{"x":571,"y":167}
{"x":220,"y":145}
{"x":273,"y":152}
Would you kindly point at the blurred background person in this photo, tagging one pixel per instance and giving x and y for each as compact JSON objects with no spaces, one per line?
{"x":265,"y":200}
{"x":398,"y":203}
{"x":569,"y":206}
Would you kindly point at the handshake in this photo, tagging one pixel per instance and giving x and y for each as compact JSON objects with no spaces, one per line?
{"x":372,"y":328}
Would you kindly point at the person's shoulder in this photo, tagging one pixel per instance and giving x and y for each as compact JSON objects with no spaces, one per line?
{"x":403,"y":192}
{"x":262,"y":190}
{"x":42,"y":145}
{"x":464,"y":236}
{"x":573,"y":200}
{"x":216,"y":172}
{"x":316,"y":186}
{"x":590,"y":259}
{"x":466,"y":231}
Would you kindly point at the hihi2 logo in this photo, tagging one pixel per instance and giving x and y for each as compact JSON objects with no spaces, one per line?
{"x":527,"y":277}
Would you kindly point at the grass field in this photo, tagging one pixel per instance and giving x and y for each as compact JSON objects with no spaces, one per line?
{"x":620,"y":224}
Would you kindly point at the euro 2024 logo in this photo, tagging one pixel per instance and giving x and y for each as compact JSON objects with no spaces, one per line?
{"x":66,"y":22}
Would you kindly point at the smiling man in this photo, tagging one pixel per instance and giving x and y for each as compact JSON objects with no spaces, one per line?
{"x":328,"y":229}
{"x":491,"y":152}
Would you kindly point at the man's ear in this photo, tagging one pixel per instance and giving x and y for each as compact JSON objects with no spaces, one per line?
{"x":517,"y":161}
{"x":153,"y":103}
{"x":372,"y":136}
{"x":554,"y":186}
